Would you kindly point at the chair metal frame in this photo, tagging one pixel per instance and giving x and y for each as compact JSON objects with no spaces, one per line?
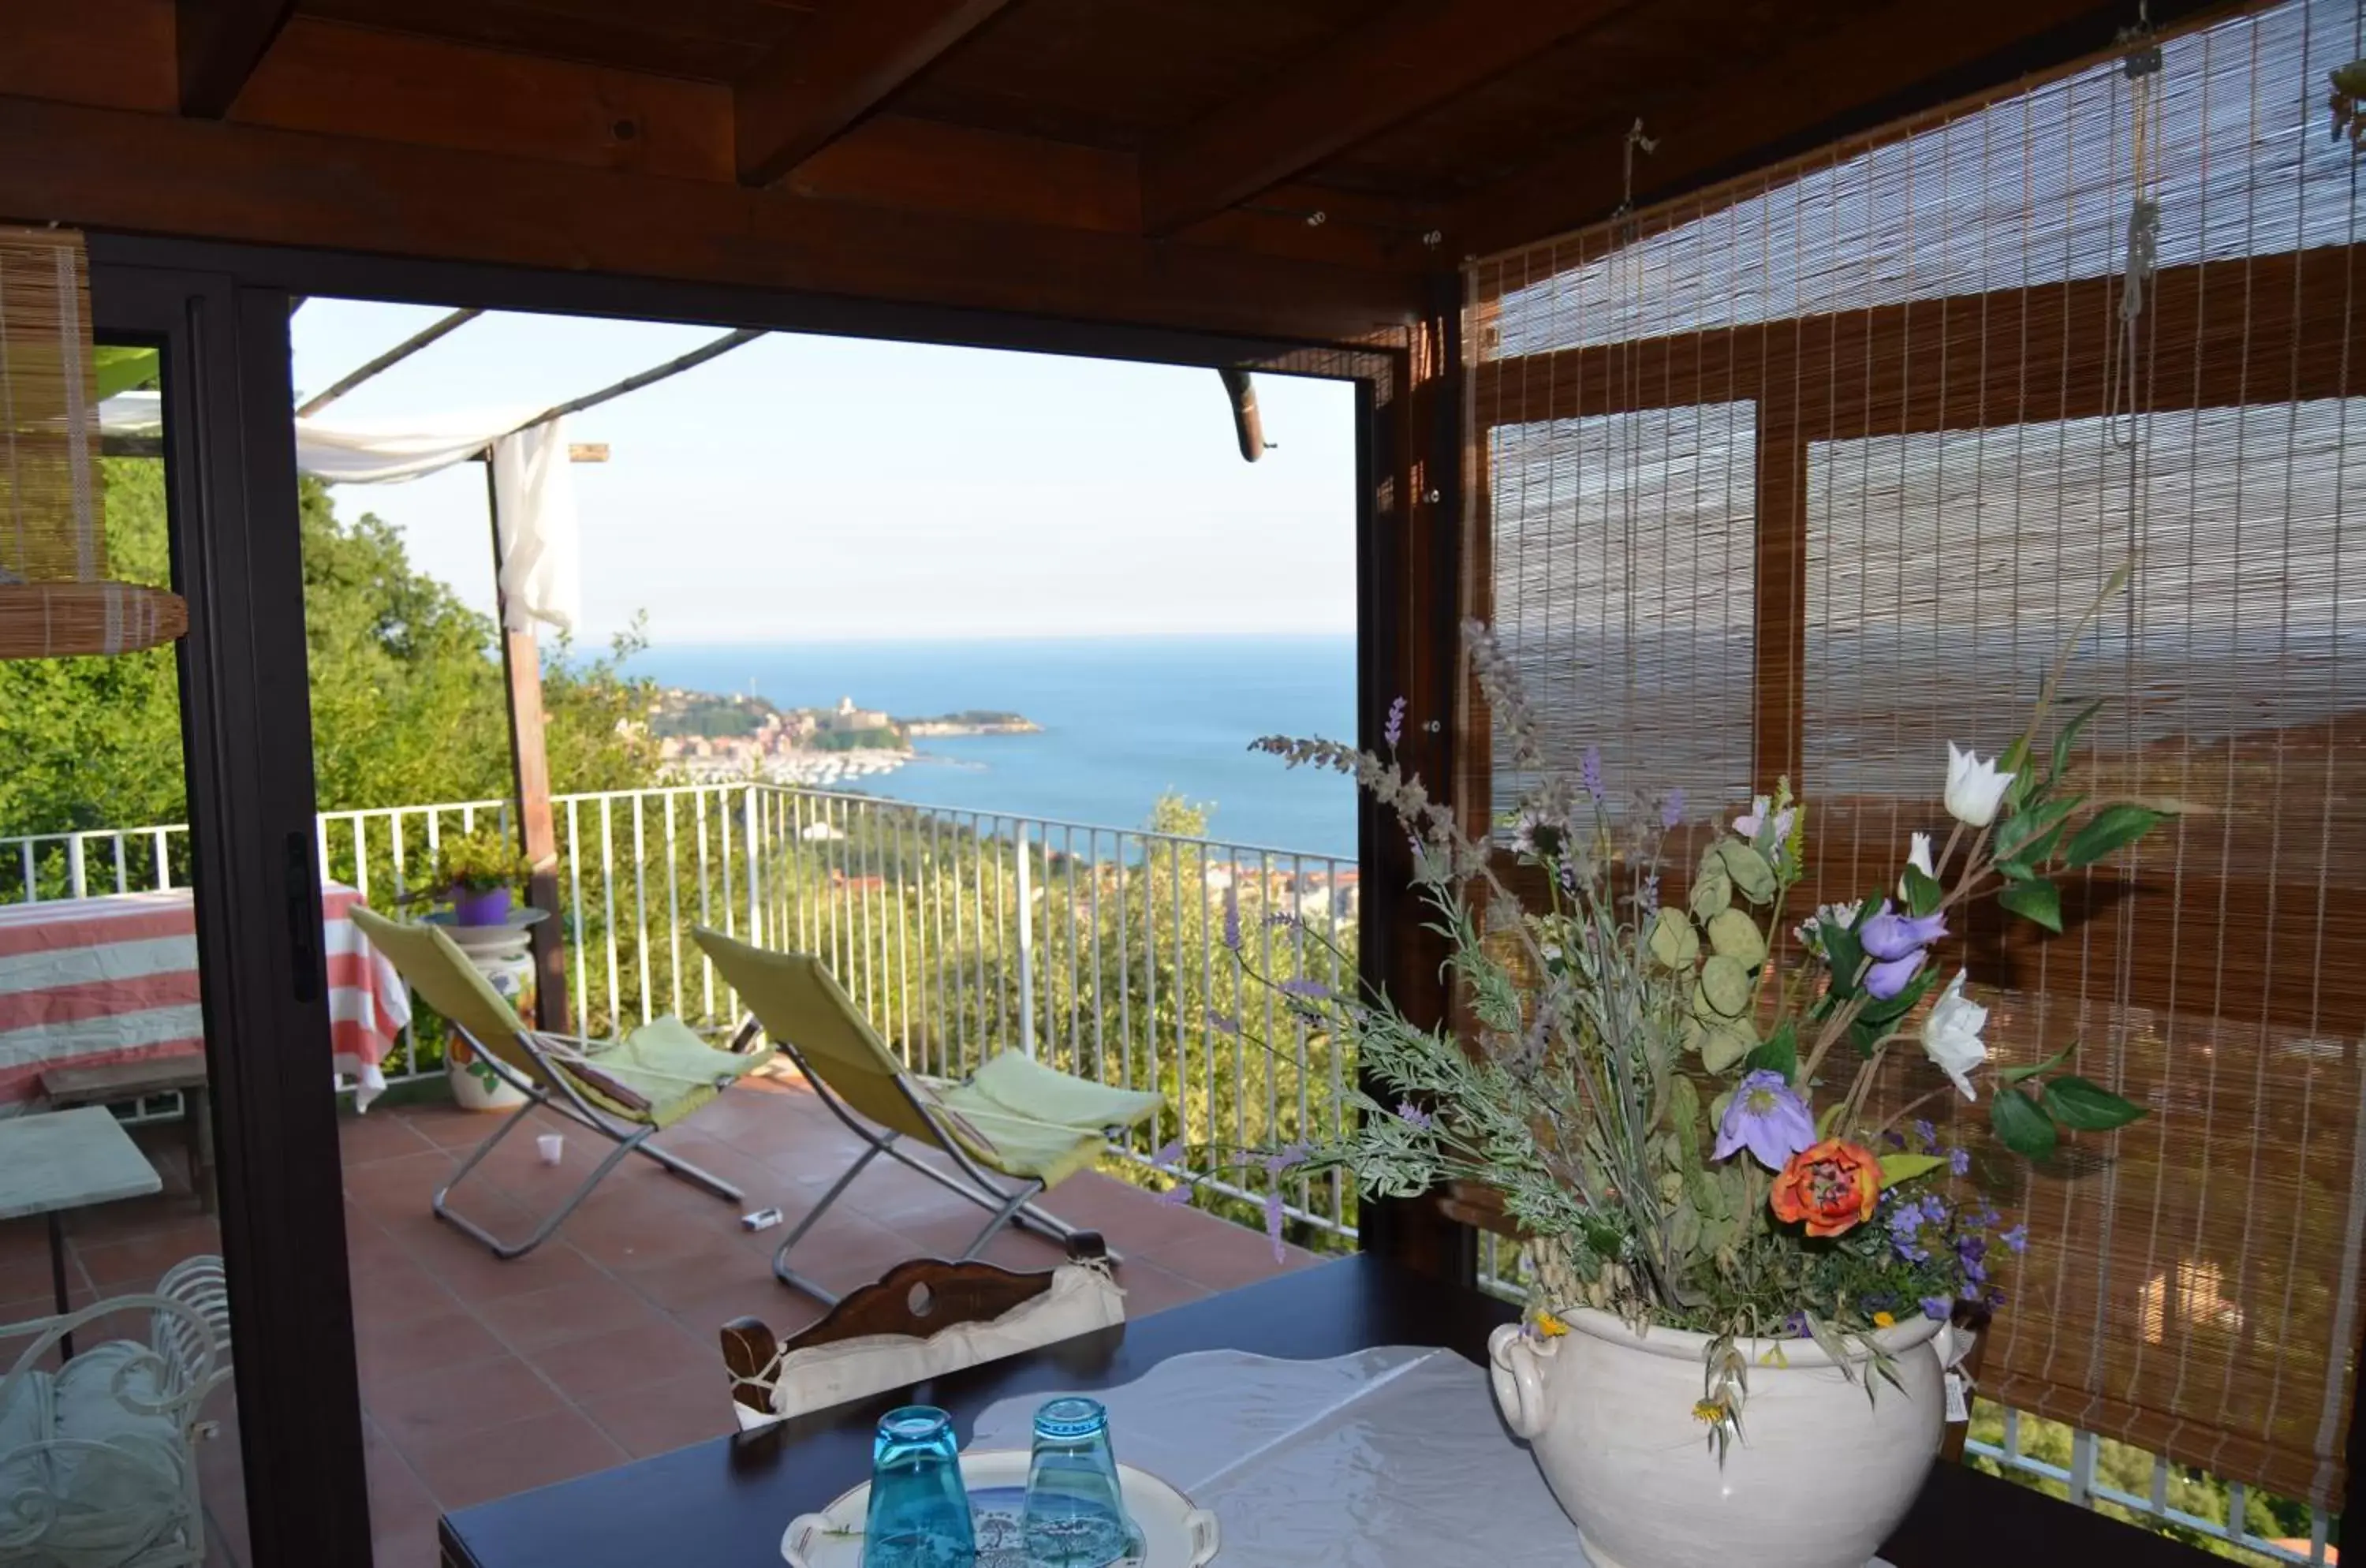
{"x":1013,"y":1206}
{"x":634,"y":1137}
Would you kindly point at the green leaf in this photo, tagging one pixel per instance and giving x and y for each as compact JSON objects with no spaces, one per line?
{"x":2016,"y":831}
{"x":1832,"y":1114}
{"x":1683,"y":1120}
{"x":2015,"y":870}
{"x":1924,"y":893}
{"x":1712,"y":890}
{"x":2021,"y":1126}
{"x":2015,"y":1074}
{"x":1778,"y":1052}
{"x":1735,"y":935}
{"x":1672,"y":941}
{"x":1863,"y":1033}
{"x":2085,"y":1107}
{"x":1896,"y":1168}
{"x":1901,"y":1004}
{"x":2025,"y":786}
{"x":1726,"y":985}
{"x":2113,"y":828}
{"x":1750,"y":870}
{"x":2068,"y":736}
{"x":2036,"y":899}
{"x":1723,"y":1045}
{"x":1846,"y":956}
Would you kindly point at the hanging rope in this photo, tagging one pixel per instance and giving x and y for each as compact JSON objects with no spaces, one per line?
{"x":2142,"y":68}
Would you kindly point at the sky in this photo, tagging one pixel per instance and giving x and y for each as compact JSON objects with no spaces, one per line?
{"x":808,"y":488}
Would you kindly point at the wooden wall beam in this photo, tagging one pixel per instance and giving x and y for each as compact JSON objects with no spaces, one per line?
{"x":220,"y":43}
{"x":1411,"y":58}
{"x":145,"y":173}
{"x":1826,"y":86}
{"x":837,"y":68}
{"x":2276,"y":328}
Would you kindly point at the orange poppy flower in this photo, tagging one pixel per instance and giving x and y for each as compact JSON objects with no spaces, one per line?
{"x":1831,"y":1186}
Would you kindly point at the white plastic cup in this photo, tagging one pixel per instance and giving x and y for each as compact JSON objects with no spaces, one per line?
{"x":551,"y":1145}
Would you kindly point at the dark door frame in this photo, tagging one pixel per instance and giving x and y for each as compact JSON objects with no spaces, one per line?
{"x":230,"y":468}
{"x":221,"y":311}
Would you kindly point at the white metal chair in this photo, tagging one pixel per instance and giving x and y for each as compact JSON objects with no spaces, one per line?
{"x":98,"y":1460}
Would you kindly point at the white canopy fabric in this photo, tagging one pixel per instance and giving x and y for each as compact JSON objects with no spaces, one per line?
{"x":533,"y":490}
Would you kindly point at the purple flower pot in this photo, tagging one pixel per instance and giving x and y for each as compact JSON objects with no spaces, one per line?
{"x":488,"y":909}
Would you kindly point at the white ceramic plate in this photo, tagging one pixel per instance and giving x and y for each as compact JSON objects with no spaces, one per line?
{"x":1174,"y":1533}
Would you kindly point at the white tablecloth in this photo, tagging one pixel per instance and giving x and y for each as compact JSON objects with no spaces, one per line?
{"x":1390,"y":1458}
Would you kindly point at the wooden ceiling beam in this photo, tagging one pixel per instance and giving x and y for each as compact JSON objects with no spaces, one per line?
{"x":220,"y":43}
{"x":110,"y":169}
{"x":1889,"y":63}
{"x":839,"y":67}
{"x":1412,"y":57}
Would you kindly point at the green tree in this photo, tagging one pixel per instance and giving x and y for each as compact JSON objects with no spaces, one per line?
{"x":408,"y":703}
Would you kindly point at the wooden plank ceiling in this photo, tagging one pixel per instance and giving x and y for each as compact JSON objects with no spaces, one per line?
{"x":1292,"y":166}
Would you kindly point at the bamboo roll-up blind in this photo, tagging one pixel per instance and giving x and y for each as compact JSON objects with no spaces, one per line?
{"x":54,"y":594}
{"x":1810,"y":474}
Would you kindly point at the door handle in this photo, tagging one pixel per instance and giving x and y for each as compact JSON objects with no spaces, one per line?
{"x":303,"y":920}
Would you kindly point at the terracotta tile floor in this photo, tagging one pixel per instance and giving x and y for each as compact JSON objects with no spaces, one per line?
{"x":482,"y":1378}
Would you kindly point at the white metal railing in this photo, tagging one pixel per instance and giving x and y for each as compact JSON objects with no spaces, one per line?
{"x":959,"y":933}
{"x":1101,"y":949}
{"x":2158,"y":1504}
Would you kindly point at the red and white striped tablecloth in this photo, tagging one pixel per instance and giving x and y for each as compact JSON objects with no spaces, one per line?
{"x":114,"y":979}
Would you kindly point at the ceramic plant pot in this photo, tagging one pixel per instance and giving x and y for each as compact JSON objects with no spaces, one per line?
{"x":1817,"y":1479}
{"x":490,"y":907}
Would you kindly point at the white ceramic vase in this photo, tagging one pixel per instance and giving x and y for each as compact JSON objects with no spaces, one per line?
{"x":1817,"y":1480}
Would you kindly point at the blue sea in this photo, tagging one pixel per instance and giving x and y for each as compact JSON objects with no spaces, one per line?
{"x":1125,"y":720}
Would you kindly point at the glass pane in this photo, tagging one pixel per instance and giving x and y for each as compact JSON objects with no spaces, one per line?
{"x":113,"y":1316}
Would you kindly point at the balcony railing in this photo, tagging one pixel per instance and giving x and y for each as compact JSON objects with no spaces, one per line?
{"x":1102,"y":951}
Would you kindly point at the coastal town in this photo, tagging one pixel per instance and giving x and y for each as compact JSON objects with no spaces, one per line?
{"x":707,"y":737}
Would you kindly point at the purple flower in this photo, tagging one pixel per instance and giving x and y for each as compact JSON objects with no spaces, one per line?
{"x":2016,"y":1238}
{"x":1224,"y":1022}
{"x":1414,"y":1115}
{"x":1960,"y":1161}
{"x":1393,"y":731}
{"x":1589,"y":768}
{"x":1282,"y":1158}
{"x":1273,"y":1217}
{"x":1169,"y":1156}
{"x":1926,"y":1136}
{"x":1905,"y":1233}
{"x":1672,"y":808}
{"x":1796,"y":1326}
{"x":1647,"y":897}
{"x":1177,"y":1196}
{"x":1889,"y":936}
{"x":1233,"y":917}
{"x":1883,"y":981}
{"x":1938,"y":1307}
{"x":1312,"y":990}
{"x":1767,"y":1119}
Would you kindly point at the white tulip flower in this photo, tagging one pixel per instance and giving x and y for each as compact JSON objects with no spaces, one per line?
{"x":1950,"y":1035}
{"x":1975,"y":788}
{"x":1917,"y":855}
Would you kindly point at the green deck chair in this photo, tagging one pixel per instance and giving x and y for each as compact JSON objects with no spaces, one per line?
{"x":627,"y":1091}
{"x":1000,"y":1129}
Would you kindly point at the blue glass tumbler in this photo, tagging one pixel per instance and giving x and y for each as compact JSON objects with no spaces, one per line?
{"x":919,"y":1509}
{"x":1076,"y":1510}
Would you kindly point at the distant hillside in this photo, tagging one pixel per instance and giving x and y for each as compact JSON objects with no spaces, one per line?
{"x":680,"y":713}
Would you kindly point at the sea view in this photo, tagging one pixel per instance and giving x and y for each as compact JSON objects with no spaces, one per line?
{"x":1124,"y":720}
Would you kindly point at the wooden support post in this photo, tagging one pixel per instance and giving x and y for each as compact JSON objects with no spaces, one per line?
{"x":522,"y":678}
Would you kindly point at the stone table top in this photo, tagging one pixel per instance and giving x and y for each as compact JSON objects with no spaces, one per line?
{"x":65,"y":1159}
